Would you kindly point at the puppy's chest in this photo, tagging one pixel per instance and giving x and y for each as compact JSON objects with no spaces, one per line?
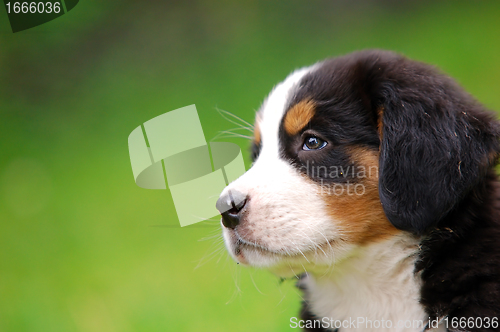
{"x":363,"y":308}
{"x":368,"y":295}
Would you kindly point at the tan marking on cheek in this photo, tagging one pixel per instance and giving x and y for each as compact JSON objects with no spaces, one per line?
{"x":358,"y":213}
{"x":380,"y":121}
{"x":256,"y":130}
{"x":299,"y":116}
{"x":493,"y":158}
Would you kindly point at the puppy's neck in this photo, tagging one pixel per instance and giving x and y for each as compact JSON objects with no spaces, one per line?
{"x":377,"y":284}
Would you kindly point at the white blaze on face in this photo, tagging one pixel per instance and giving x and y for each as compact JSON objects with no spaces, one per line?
{"x":358,"y":264}
{"x":284,"y":217}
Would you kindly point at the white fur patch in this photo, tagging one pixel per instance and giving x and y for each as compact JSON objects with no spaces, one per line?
{"x":376,"y":287}
{"x":287,"y":228}
{"x":285,"y":217}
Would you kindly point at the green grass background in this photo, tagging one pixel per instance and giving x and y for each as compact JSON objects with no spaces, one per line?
{"x":80,"y":245}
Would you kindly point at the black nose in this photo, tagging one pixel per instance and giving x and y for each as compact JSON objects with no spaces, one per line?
{"x":230,"y":206}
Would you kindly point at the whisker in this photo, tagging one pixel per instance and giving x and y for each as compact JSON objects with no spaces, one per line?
{"x":241,"y":128}
{"x":225,"y":114}
{"x":297,"y":247}
{"x":253,"y":281}
{"x":237,"y":290}
{"x":216,"y":249}
{"x":230,"y":135}
{"x":235,"y":134}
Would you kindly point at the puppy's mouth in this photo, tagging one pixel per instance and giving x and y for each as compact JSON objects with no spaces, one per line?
{"x":240,"y":246}
{"x":245,"y":251}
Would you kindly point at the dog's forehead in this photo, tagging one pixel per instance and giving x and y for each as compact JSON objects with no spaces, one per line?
{"x":275,"y":106}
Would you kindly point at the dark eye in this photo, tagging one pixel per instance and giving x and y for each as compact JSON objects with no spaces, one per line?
{"x":313,"y":143}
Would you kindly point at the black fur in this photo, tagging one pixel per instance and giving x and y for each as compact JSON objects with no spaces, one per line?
{"x":255,"y":150}
{"x":460,"y":260}
{"x":436,"y":139}
{"x":438,"y":152}
{"x":307,"y":317}
{"x":341,"y":118}
{"x":305,"y":313}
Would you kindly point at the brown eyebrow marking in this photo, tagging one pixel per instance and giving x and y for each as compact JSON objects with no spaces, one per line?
{"x":256,"y":130}
{"x":380,"y":122}
{"x":299,"y":116}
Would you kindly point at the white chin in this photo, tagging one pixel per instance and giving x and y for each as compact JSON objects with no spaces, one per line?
{"x":280,"y":264}
{"x":248,"y":254}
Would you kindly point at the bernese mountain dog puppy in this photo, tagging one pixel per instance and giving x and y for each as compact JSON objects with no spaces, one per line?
{"x":374,"y":184}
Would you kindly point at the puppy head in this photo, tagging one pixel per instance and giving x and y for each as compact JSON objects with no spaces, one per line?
{"x":351,"y":151}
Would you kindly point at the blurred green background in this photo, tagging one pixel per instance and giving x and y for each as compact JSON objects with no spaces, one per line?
{"x":82,"y":248}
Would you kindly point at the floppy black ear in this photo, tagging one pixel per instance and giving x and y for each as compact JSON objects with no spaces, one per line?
{"x":436,"y":144}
